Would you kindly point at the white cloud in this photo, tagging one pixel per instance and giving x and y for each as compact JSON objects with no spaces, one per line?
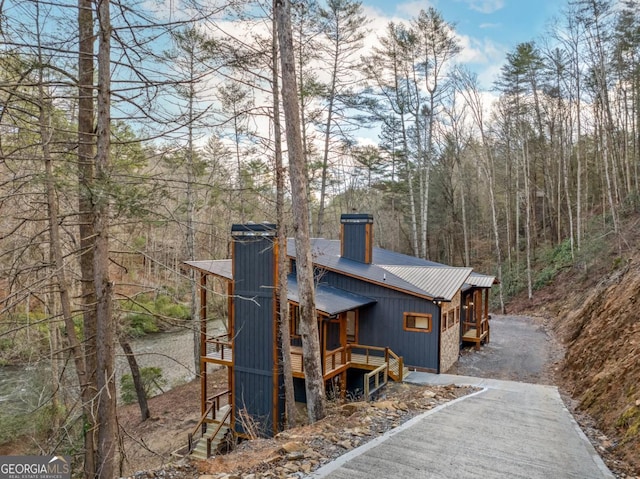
{"x":412,"y":9}
{"x":484,"y":55}
{"x":487,"y":26}
{"x":485,"y":6}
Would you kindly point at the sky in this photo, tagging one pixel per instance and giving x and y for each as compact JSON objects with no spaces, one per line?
{"x":488,"y":29}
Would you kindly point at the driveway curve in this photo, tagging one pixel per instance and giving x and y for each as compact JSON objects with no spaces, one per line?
{"x":508,"y":429}
{"x":520,"y":350}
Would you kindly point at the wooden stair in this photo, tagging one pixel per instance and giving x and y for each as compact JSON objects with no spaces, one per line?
{"x":200,"y":451}
{"x":216,"y":433}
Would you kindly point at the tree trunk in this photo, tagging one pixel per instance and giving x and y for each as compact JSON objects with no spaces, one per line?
{"x":105,"y":334}
{"x":57,"y":258}
{"x":137,"y":378}
{"x":465,"y":227}
{"x":527,"y":223}
{"x":191,"y":241}
{"x":86,"y":151}
{"x":283,"y":317}
{"x":314,"y":382}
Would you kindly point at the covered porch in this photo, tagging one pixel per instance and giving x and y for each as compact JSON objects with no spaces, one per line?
{"x":475,"y":326}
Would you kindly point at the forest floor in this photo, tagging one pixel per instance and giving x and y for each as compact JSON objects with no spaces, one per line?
{"x":149,"y":445}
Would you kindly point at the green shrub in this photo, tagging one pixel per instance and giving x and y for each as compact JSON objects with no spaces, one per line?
{"x":554,"y":260}
{"x":141,"y":324}
{"x":152,"y":383}
{"x":545,"y":277}
{"x":153,"y":313}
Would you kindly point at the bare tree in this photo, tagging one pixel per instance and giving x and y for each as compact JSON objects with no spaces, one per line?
{"x":314,"y":382}
{"x":345,"y":31}
{"x":105,"y":327}
{"x":283,"y":302}
{"x":467,"y":85}
{"x":86,"y":152}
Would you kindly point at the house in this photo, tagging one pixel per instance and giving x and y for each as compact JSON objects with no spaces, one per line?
{"x":377,"y":311}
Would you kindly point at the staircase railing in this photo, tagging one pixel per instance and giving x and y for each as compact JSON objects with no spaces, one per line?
{"x":217,"y":430}
{"x":201,"y":424}
{"x":373,"y":353}
{"x":396,"y":365}
{"x":379,"y":377}
{"x":213,"y":407}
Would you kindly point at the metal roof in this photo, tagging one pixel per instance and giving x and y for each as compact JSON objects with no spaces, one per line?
{"x":397,"y":270}
{"x":217,"y":267}
{"x":321,"y":246}
{"x":329,"y":300}
{"x":439,"y":282}
{"x":369,"y":272}
{"x":480,"y":280}
{"x":394,"y":270}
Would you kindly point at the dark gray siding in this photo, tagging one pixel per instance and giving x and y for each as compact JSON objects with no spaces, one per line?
{"x":254,"y":369}
{"x":381,"y":324}
{"x":253,"y":391}
{"x":333,"y":336}
{"x":355,"y":236}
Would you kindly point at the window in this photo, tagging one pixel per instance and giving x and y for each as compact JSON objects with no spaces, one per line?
{"x":420,"y":322}
{"x":294,"y":318}
{"x":444,"y":322}
{"x":451,"y":319}
{"x":352,"y":327}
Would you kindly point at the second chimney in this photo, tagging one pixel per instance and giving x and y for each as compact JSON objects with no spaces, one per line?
{"x":356,"y":237}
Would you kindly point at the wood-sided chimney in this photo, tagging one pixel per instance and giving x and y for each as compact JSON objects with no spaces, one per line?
{"x":356,"y":237}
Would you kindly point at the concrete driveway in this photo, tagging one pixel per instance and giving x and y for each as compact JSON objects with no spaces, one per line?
{"x":507,"y":430}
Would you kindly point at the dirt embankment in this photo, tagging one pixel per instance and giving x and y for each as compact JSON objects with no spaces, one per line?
{"x":599,"y":325}
{"x":602,"y":364}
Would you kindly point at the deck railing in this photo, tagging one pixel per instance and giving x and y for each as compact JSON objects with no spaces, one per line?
{"x":334,"y":360}
{"x":476,"y":331}
{"x":373,"y":356}
{"x":216,"y":400}
{"x":352,"y":355}
{"x":220,"y":347}
{"x":480,"y":327}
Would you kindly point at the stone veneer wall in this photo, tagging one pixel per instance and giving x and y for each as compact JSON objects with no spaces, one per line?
{"x":450,"y":338}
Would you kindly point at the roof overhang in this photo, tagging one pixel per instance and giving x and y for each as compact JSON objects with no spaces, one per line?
{"x":440,"y":282}
{"x":329,"y":300}
{"x":216,"y":267}
{"x":481,"y":280}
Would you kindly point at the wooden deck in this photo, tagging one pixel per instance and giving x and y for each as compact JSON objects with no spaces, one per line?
{"x":341,"y":359}
{"x":477,"y":335}
{"x":219,"y":350}
{"x":223,"y":356}
{"x":335,"y":362}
